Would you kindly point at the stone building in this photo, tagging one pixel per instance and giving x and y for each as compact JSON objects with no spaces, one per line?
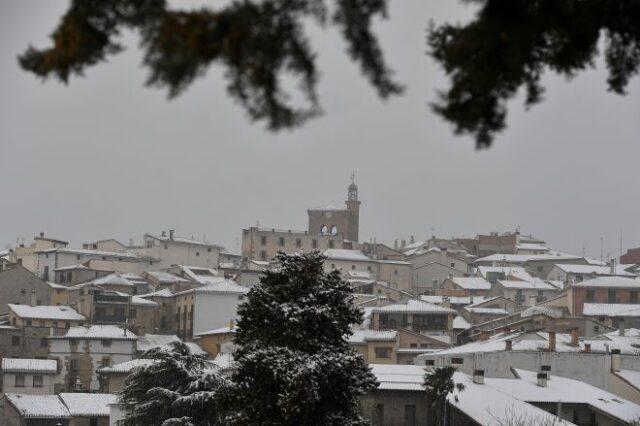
{"x":28,"y":376}
{"x":329,"y":227}
{"x":609,"y":290}
{"x":18,"y":285}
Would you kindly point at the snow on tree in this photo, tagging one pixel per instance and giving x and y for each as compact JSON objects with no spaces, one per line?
{"x":178,"y":388}
{"x":294,"y":365}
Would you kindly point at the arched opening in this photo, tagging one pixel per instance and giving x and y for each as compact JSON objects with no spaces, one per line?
{"x":334,"y":230}
{"x":324,"y":229}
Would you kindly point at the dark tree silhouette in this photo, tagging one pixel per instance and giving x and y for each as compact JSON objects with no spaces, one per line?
{"x":507,"y":46}
{"x":511,"y":43}
{"x":438,"y":384}
{"x":258,"y":42}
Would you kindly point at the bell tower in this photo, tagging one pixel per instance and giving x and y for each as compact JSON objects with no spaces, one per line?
{"x":353,"y":211}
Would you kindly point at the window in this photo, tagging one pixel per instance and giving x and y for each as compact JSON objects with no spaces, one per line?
{"x":611,"y":296}
{"x":430,"y":362}
{"x":106,"y":361}
{"x":197,"y":253}
{"x":54,"y":324}
{"x":590,"y":296}
{"x":23,"y":291}
{"x":519,"y":297}
{"x":133,"y":314}
{"x":333,"y":266}
{"x":37,"y":381}
{"x":383,"y":352}
{"x":118,"y":313}
{"x":73,"y":365}
{"x":298,"y":242}
{"x":209,"y":249}
{"x":93,"y":421}
{"x":15,"y":340}
{"x":353,"y":267}
{"x":413,"y":346}
{"x":19,"y":381}
{"x":44,"y":342}
{"x":539,"y":268}
{"x":314,"y":243}
{"x":45,"y":275}
{"x":633,"y":297}
{"x":263,"y":240}
{"x":457,"y":361}
{"x":73,"y":342}
{"x":281,"y":241}
{"x":163,"y":322}
{"x":29,"y":323}
{"x":330,"y":244}
{"x":105,"y":342}
{"x":379,"y":414}
{"x":263,"y":255}
{"x":453,"y":265}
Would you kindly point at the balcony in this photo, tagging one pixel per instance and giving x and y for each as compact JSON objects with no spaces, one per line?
{"x":109,"y":319}
{"x":110,"y":298}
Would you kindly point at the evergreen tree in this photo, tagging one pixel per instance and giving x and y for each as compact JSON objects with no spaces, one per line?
{"x":294,"y":366}
{"x":438,"y":384}
{"x":176,"y":388}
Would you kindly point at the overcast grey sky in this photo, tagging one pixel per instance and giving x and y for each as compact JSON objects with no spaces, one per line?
{"x":106,"y":157}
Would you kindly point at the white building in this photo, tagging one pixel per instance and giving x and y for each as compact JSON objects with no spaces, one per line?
{"x":570,"y":274}
{"x":173,"y":250}
{"x":83,"y":350}
{"x":525,"y":293}
{"x":28,"y":376}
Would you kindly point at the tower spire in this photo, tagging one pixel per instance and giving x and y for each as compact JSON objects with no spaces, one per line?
{"x":352,"y":194}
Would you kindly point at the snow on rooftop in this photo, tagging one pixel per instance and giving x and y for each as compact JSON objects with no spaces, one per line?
{"x":517,"y":272}
{"x":363,"y":336}
{"x":487,"y":311}
{"x":612,"y":282}
{"x":219,"y":285}
{"x":71,"y":267}
{"x":166,"y":277}
{"x":472,"y":283}
{"x":454,"y":300}
{"x":399,"y":377}
{"x":46,"y":312}
{"x":127,"y":366}
{"x":150,"y":341}
{"x":344,"y":254}
{"x":633,"y":377}
{"x":415,"y":306}
{"x":527,"y":285}
{"x":113,"y":279}
{"x":459,"y":323}
{"x":85,"y":252}
{"x":165,"y":292}
{"x":183,"y":240}
{"x":38,"y":406}
{"x":23,"y":365}
{"x":490,"y":406}
{"x":549,"y":311}
{"x":611,"y":309}
{"x":88,"y":404}
{"x":532,"y":246}
{"x":566,"y":391}
{"x":98,"y":332}
{"x":620,"y":270}
{"x":222,"y":330}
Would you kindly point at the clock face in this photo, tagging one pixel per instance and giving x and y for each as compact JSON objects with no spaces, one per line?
{"x":328,"y":215}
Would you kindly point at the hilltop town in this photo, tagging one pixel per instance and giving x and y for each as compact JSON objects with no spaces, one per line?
{"x":549,"y":335}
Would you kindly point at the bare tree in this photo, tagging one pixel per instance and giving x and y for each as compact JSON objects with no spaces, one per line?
{"x":511,"y":417}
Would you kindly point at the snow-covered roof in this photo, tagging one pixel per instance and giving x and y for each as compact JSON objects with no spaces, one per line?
{"x":150,"y":341}
{"x":71,"y":267}
{"x":85,"y":252}
{"x":487,"y":311}
{"x":612,"y":282}
{"x":454,"y":300}
{"x":328,"y":207}
{"x":200,"y":274}
{"x":620,"y":270}
{"x":459,"y":323}
{"x":57,"y":286}
{"x":399,"y":377}
{"x":527,"y":285}
{"x":415,"y":306}
{"x":165,"y":292}
{"x":532,"y":246}
{"x":611,"y":309}
{"x":113,"y":279}
{"x":566,"y":391}
{"x":222,"y":330}
{"x":196,"y":349}
{"x":219,"y":285}
{"x":363,"y":336}
{"x":489,"y":406}
{"x":38,"y":406}
{"x":23,"y":365}
{"x":344,"y":254}
{"x":88,"y":404}
{"x":633,"y":377}
{"x":182,"y":240}
{"x":471,"y":283}
{"x":549,"y":311}
{"x":46,"y":312}
{"x":523,"y":258}
{"x":517,"y":272}
{"x":165,"y":277}
{"x":127,"y":366}
{"x":98,"y":332}
{"x":140,"y":301}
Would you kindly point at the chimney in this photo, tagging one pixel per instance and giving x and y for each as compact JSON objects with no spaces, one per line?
{"x":403,"y":243}
{"x":587,"y":348}
{"x":621,"y":329}
{"x":508,"y":345}
{"x":478,"y":377}
{"x":412,"y":239}
{"x":575,"y":337}
{"x":552,"y":341}
{"x":171,"y":234}
{"x":164,"y":233}
{"x":231,"y":324}
{"x":542,"y":380}
{"x":42,"y":235}
{"x":612,"y":266}
{"x":130,"y":242}
{"x":33,"y":298}
{"x":395,"y":244}
{"x":615,"y":359}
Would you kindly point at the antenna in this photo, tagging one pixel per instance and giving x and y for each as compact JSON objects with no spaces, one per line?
{"x":620,"y":245}
{"x":601,"y":249}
